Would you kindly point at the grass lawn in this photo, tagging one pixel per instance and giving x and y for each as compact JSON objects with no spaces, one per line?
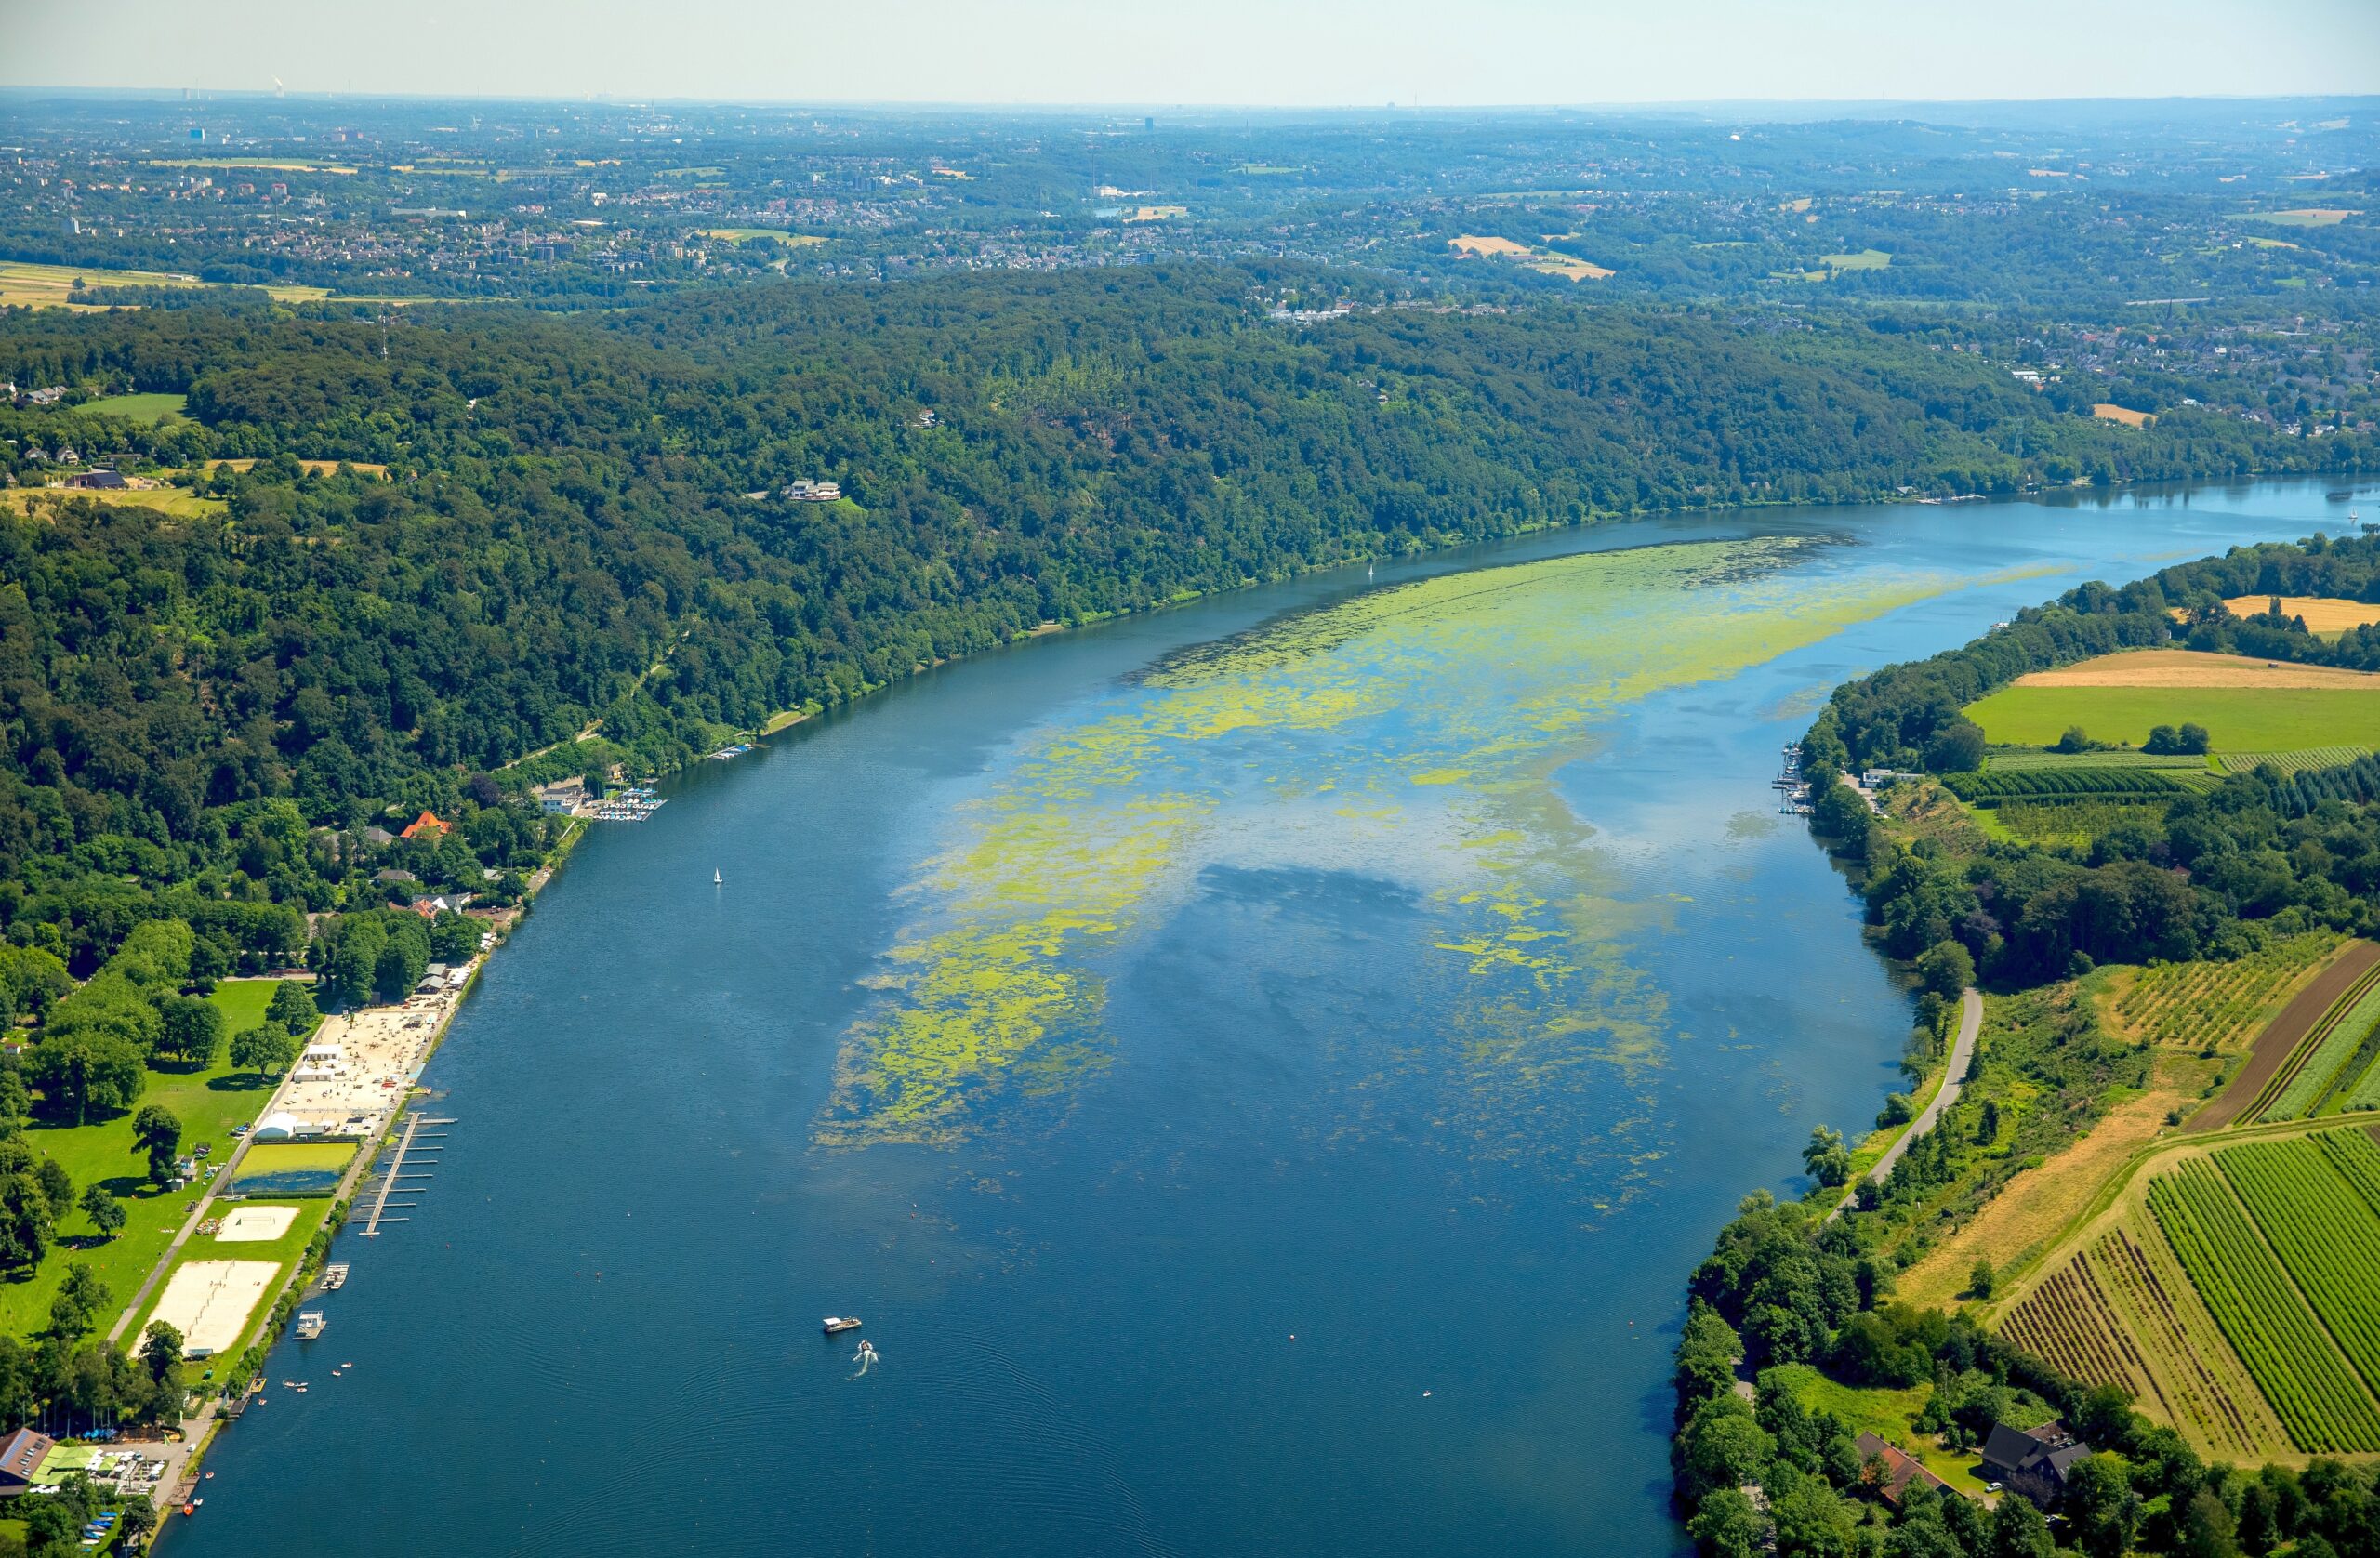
{"x":2239,"y":719}
{"x":1866,"y":259}
{"x":1887,"y":1415}
{"x":285,"y":1251}
{"x":242,"y":1001}
{"x":138,"y":408}
{"x":283,"y":1157}
{"x":208,"y":1102}
{"x":775,"y":234}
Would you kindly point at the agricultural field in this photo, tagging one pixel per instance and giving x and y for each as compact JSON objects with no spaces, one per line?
{"x":2301,"y":761}
{"x":1552,"y":264}
{"x":768,"y":235}
{"x":2069,"y":821}
{"x":2121,"y":1313}
{"x":47,"y":286}
{"x":2243,"y":718}
{"x":2213,"y":1005}
{"x":2108,"y":411}
{"x":2324,"y":614}
{"x":2029,"y":759}
{"x":179,"y":502}
{"x":2312,"y":1386}
{"x":2319,"y":1061}
{"x":149,"y":408}
{"x":2078,"y":782}
{"x":1866,"y":259}
{"x":2307,"y":216}
{"x":2326,"y":1234}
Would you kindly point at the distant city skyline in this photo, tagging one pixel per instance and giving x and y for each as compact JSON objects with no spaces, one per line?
{"x":1207,"y":53}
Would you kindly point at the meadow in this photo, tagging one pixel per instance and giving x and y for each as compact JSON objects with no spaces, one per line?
{"x":24,"y":284}
{"x":179,"y":503}
{"x":2239,"y":719}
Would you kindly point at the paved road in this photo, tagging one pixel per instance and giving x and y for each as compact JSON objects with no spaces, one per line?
{"x":1962,"y":1055}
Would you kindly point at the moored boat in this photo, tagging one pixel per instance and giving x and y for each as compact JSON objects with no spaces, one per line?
{"x":838,"y":1323}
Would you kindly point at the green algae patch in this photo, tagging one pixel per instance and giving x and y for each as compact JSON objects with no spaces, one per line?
{"x":1410,"y":735}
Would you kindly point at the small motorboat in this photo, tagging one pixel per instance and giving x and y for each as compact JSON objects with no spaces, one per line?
{"x":835,"y":1325}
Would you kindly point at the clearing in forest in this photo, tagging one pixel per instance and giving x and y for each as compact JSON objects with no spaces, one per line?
{"x":2323,"y":613}
{"x":1548,"y":261}
{"x":2108,"y":411}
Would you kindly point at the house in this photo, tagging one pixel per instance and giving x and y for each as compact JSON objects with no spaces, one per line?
{"x":109,"y":480}
{"x":561,"y":798}
{"x":428,"y":826}
{"x":379,"y":837}
{"x":394,"y":875}
{"x":2033,"y":1461}
{"x":807,"y":491}
{"x":1889,"y":1471}
{"x":20,"y":1457}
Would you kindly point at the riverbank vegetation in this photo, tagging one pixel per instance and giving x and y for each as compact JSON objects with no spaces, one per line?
{"x":2181,"y":1301}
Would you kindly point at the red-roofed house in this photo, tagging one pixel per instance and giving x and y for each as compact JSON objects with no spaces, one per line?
{"x":426,"y":825}
{"x":20,"y":1457}
{"x":1890,"y":1471}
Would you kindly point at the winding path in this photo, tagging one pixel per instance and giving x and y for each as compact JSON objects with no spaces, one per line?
{"x":1953,"y":1080}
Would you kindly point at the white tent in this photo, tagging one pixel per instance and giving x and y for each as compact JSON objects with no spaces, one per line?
{"x":279,"y":1126}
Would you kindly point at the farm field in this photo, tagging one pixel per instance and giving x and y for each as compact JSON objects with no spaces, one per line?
{"x":1534,"y":259}
{"x":2312,"y":1386}
{"x":2325,"y":1232}
{"x":151,"y":408}
{"x":2069,"y":821}
{"x":26,"y":284}
{"x":2291,"y":762}
{"x":774,"y":234}
{"x":2307,"y":215}
{"x":1866,"y":259}
{"x":2108,"y":411}
{"x":2209,"y":1005}
{"x":253,"y":164}
{"x":179,"y":502}
{"x":2031,"y":759}
{"x":2190,"y":668}
{"x":2240,"y":717}
{"x":2323,"y":613}
{"x":2317,"y":1063}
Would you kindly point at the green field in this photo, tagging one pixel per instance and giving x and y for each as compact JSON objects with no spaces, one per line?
{"x":49,"y":287}
{"x":285,"y":1252}
{"x":208,"y":1102}
{"x":138,"y":408}
{"x":2325,"y":1232}
{"x":770,"y":234}
{"x":242,"y":1001}
{"x":281,"y":1157}
{"x":2311,"y":1386}
{"x":2239,"y":719}
{"x":1866,"y":259}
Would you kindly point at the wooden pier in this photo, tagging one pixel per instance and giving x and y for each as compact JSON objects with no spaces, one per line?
{"x":405,"y":1146}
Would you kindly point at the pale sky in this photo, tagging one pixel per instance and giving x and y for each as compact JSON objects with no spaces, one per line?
{"x":1443,"y":53}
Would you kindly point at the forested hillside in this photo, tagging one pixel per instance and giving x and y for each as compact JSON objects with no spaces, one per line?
{"x":580,"y":519}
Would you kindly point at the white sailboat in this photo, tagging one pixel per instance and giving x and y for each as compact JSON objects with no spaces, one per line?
{"x":715,"y":877}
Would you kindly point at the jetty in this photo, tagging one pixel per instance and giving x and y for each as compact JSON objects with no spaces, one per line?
{"x":396,"y":1172}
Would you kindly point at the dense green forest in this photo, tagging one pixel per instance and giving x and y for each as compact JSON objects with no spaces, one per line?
{"x":567,"y":531}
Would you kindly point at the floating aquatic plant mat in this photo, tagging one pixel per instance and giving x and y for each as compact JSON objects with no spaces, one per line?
{"x":1409,"y":735}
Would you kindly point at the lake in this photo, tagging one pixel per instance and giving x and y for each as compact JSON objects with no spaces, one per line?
{"x":1263,"y":1071}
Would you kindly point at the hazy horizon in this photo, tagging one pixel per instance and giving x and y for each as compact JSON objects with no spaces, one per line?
{"x":1214,"y":55}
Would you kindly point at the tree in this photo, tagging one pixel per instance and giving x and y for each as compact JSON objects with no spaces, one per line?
{"x":1957,"y":747}
{"x":2102,"y":1505}
{"x":1728,"y":1525}
{"x":2018,"y":1531}
{"x":1826,"y":1159}
{"x":2163,"y":739}
{"x":1812,"y":1522}
{"x":293,"y":1007}
{"x":1945,"y":968}
{"x":85,"y":1073}
{"x":2204,"y":1528}
{"x":267,"y":1049}
{"x":102,"y":1209}
{"x":27,"y":1219}
{"x":2075,"y":740}
{"x":160,"y":1346}
{"x":2195,"y":740}
{"x":156,"y":1132}
{"x":1980,"y":1280}
{"x":1722,"y":1447}
{"x":80,"y":1297}
{"x":398,"y":969}
{"x":192,"y":1028}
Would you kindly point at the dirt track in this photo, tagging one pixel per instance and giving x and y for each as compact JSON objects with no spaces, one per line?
{"x":2283,"y":1034}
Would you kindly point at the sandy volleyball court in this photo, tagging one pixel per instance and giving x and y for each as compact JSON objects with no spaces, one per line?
{"x":209,"y":1301}
{"x":257,"y":1225}
{"x":2187,"y":668}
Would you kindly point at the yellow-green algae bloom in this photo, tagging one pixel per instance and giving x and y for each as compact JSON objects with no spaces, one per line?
{"x":1411,"y":734}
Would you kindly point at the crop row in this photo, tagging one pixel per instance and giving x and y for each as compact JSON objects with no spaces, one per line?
{"x":2031,"y":784}
{"x":2215,"y":1395}
{"x":2066,"y":1322}
{"x":2320,"y":1401}
{"x":2326,"y":1235}
{"x":2364,"y":1094}
{"x":2299,"y":761}
{"x":2201,"y":1003}
{"x":2321,"y":1056}
{"x":2019,"y":760}
{"x":2357,"y":1158}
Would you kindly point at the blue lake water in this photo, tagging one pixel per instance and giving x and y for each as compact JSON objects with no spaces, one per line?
{"x":1258,"y":1105}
